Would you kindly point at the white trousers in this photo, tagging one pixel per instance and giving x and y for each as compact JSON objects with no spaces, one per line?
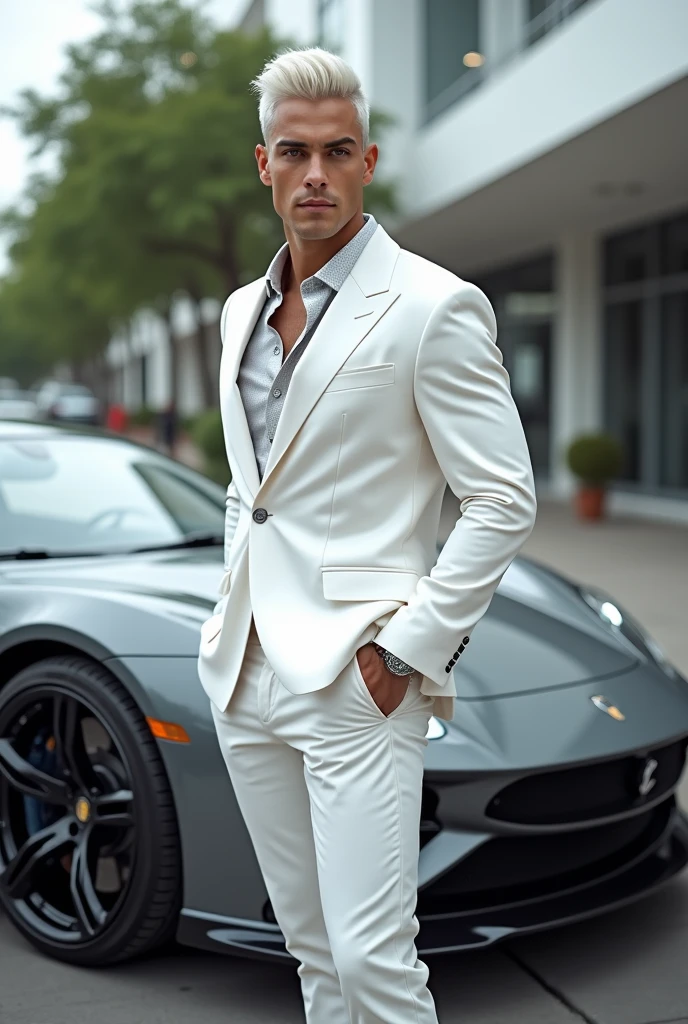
{"x":330,"y":790}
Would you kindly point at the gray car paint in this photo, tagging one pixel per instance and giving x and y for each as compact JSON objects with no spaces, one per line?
{"x":524,"y":685}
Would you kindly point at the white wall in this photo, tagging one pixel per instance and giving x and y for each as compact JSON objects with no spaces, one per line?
{"x":576,"y":404}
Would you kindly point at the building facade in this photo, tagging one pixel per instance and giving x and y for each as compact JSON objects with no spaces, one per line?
{"x":540,"y":149}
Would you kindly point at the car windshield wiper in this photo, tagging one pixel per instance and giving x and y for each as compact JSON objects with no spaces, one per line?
{"x":34,"y":554}
{"x":191,"y":540}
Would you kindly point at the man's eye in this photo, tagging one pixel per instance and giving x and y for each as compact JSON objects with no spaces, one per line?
{"x":344,"y":151}
{"x":291,"y":152}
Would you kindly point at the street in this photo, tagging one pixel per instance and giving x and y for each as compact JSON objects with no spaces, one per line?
{"x":624,"y":968}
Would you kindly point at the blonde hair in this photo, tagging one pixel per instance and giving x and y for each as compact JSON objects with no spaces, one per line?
{"x":312,"y":74}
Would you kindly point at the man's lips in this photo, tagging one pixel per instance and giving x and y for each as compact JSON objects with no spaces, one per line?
{"x":317,"y":204}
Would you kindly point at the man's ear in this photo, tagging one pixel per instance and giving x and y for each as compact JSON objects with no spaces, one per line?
{"x":263,"y":165}
{"x":370,"y":158}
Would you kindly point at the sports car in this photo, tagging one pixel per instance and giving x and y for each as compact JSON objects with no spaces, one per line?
{"x":550,"y":797}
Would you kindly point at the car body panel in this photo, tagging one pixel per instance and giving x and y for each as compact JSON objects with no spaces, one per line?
{"x":17,"y":405}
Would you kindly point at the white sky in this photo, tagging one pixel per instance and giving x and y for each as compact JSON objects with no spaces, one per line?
{"x":35,"y":33}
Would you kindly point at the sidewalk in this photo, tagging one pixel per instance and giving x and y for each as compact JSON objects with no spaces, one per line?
{"x":643,"y":565}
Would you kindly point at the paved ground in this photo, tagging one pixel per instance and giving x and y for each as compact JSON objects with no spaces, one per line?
{"x":626,"y":968}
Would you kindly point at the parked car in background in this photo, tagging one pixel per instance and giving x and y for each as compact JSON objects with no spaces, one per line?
{"x":67,"y":402}
{"x":16,"y":404}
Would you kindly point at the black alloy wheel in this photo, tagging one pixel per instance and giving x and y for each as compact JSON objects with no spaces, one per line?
{"x":90,"y":862}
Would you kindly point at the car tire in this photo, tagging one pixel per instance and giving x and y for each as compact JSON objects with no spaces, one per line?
{"x":151,"y":900}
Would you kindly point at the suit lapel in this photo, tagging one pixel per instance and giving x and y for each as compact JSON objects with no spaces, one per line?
{"x":242,"y":314}
{"x":363,"y":300}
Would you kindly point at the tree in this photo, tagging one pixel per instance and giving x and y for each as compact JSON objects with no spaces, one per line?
{"x":157,"y":190}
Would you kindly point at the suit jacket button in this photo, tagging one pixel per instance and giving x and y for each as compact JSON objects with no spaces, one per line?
{"x":260,"y":515}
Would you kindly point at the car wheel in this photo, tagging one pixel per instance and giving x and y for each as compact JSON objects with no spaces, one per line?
{"x":90,"y":862}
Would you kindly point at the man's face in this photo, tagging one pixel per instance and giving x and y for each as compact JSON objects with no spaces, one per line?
{"x":316,"y":166}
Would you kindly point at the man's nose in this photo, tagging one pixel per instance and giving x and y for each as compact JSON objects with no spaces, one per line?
{"x":315,"y":173}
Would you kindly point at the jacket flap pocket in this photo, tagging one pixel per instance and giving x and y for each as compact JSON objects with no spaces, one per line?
{"x":342,"y":584}
{"x":362,"y":377}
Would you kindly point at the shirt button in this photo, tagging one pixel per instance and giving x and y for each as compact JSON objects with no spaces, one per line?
{"x":277,"y":392}
{"x":277,"y":350}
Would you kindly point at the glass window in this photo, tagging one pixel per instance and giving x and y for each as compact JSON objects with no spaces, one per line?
{"x":626,"y":257}
{"x":525,"y":303}
{"x":451,"y":31}
{"x":545,"y":15}
{"x":94,"y":494}
{"x":623,"y":381}
{"x":674,"y":406}
{"x":674,"y":245}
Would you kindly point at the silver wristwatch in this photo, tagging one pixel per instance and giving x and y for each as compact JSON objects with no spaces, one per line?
{"x":395,"y":665}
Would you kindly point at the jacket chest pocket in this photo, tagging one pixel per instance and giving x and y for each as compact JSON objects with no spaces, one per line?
{"x":362,"y":377}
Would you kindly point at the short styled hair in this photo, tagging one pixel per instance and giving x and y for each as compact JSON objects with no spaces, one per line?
{"x":312,"y":74}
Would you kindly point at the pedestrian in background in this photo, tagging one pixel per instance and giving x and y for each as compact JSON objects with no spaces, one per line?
{"x":168,"y":428}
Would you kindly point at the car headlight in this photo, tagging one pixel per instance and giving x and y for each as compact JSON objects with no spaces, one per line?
{"x":621,"y":623}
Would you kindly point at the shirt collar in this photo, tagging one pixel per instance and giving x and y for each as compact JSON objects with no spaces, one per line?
{"x":335,"y":271}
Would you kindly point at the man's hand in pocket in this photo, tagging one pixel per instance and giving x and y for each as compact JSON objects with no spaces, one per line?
{"x":386,"y":689}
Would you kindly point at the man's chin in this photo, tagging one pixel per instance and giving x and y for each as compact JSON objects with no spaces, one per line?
{"x":313,"y":226}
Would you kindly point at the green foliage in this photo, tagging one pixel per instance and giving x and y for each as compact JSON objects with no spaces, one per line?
{"x":187,"y":423}
{"x":208,"y":436}
{"x":156,"y":190}
{"x":595,"y":458}
{"x":144,"y":416}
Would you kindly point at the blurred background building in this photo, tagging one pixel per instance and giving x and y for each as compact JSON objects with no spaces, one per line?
{"x":541,"y":150}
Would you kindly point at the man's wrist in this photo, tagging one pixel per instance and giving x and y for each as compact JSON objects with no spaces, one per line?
{"x":394,"y":664}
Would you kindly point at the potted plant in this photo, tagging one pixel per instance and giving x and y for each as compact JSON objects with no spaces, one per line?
{"x":595,"y":459}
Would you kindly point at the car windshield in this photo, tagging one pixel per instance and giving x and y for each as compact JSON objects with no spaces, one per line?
{"x":77,"y":494}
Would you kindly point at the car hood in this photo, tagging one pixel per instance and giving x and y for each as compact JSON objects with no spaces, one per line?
{"x":187,"y":577}
{"x":537,"y":633}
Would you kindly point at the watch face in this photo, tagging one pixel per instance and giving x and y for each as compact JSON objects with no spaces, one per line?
{"x":397,"y":666}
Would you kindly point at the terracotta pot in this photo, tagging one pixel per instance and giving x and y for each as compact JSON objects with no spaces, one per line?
{"x":590,"y":502}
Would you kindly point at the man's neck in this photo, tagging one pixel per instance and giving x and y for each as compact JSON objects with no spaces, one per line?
{"x":307,"y":256}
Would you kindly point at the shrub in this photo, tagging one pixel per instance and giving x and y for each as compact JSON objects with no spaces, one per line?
{"x":595,"y":458}
{"x":144,"y":416}
{"x":207,"y":435}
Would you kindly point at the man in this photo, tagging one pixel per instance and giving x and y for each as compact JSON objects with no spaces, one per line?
{"x":356,"y":381}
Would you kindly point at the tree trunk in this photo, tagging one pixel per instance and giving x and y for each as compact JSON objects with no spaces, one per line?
{"x":76,"y":368}
{"x":201,"y":345}
{"x":174,"y":356}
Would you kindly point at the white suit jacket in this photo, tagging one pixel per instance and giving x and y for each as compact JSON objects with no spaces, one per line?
{"x":400,"y":391}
